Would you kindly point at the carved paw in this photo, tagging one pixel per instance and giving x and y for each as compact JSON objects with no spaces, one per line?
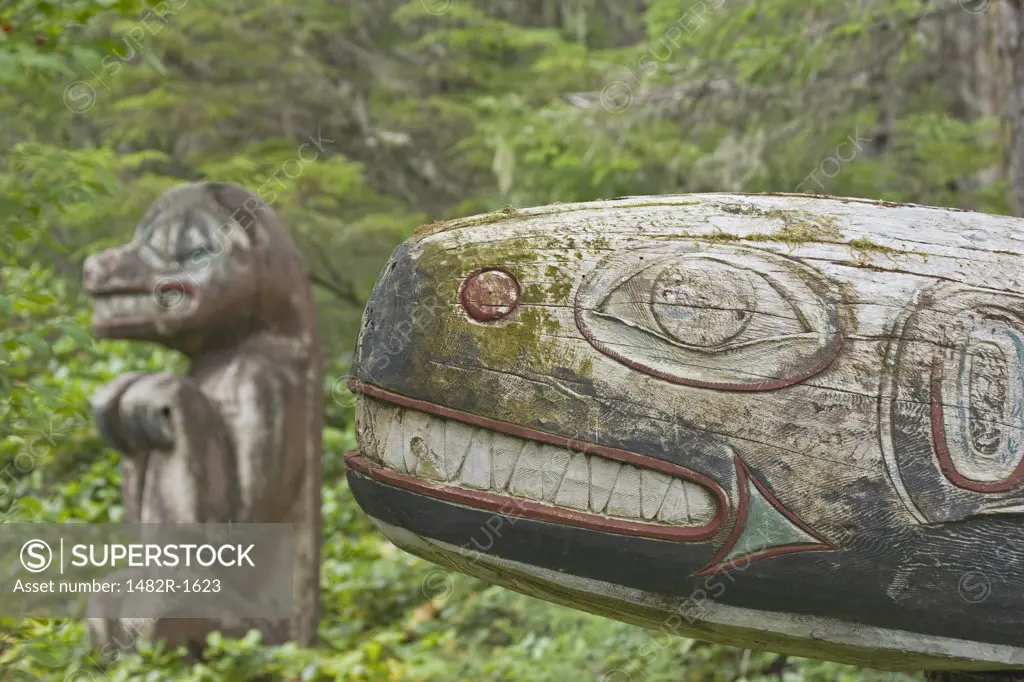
{"x":133,"y":412}
{"x":105,"y":404}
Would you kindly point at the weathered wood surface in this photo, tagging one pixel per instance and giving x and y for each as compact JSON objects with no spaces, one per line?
{"x":775,"y":421}
{"x":213,"y":273}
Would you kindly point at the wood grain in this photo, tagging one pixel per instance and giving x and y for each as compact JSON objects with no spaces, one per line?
{"x":791,"y":338}
{"x":213,"y":273}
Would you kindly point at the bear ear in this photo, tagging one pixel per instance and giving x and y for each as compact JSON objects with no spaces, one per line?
{"x":242,"y":205}
{"x":231,"y":197}
{"x":227,"y":195}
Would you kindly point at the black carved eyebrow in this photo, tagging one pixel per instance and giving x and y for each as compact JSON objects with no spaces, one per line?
{"x":207,"y":224}
{"x":236,"y":201}
{"x":188,"y":219}
{"x":148,"y":225}
{"x":159,"y":235}
{"x":192,"y":219}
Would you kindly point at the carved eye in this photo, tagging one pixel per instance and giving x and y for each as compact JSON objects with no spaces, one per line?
{"x":704,"y":304}
{"x":193,"y":246}
{"x":716,"y":316}
{"x":198,"y":257}
{"x":186,"y":239}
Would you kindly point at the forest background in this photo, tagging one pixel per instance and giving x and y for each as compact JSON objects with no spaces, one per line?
{"x":418,"y":111}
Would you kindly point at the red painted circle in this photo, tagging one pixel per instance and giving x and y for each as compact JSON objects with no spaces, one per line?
{"x":490,"y":294}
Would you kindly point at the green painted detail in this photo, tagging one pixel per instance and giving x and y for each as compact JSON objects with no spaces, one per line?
{"x":765,"y":527}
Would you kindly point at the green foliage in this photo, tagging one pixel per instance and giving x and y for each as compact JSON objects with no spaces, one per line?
{"x":358,"y":121}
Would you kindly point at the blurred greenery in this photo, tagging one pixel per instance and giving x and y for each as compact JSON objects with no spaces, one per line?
{"x":424,"y":110}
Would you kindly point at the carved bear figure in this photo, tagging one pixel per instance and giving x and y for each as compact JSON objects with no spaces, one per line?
{"x":212,"y":272}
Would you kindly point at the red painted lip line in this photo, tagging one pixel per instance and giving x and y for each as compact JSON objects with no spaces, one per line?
{"x":946,"y":463}
{"x":514,"y":506}
{"x":528,"y":509}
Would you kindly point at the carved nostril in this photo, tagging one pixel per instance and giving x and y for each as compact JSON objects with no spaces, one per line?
{"x":490,"y":294}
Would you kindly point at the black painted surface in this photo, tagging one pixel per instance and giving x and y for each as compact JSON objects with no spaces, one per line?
{"x":962,"y":579}
{"x":850,"y":585}
{"x":663,"y":567}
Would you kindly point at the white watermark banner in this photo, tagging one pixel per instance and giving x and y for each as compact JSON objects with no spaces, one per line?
{"x":152,"y":570}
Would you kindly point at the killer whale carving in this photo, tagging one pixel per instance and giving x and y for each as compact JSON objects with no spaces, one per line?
{"x":773,"y":421}
{"x":213,"y":273}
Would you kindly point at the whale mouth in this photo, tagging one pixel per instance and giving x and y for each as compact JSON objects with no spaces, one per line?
{"x":487,"y":464}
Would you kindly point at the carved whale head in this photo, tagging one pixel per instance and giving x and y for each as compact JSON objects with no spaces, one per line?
{"x":780,"y":421}
{"x":209,"y":264}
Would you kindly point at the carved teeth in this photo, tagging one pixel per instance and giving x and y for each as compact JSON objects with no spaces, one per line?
{"x":625,"y":499}
{"x":424,"y":439}
{"x":674,"y":509}
{"x":111,"y":307}
{"x":527,"y":479}
{"x":393,"y":454}
{"x":476,"y":469}
{"x":603,"y":473}
{"x":455,"y":453}
{"x":575,"y":489}
{"x":504,"y":456}
{"x":653,"y":486}
{"x":457,"y":437}
{"x":419,"y":430}
{"x":556,"y":461}
{"x":366,"y":427}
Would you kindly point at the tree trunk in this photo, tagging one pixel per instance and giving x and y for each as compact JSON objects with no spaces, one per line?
{"x":1012,"y":48}
{"x":971,"y":58}
{"x":954,"y":676}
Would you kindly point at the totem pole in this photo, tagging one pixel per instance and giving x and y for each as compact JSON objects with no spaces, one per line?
{"x":211,"y":272}
{"x":780,"y":422}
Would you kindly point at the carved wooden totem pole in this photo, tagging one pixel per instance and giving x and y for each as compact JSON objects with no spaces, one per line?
{"x":781,"y":422}
{"x":213,"y":273}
